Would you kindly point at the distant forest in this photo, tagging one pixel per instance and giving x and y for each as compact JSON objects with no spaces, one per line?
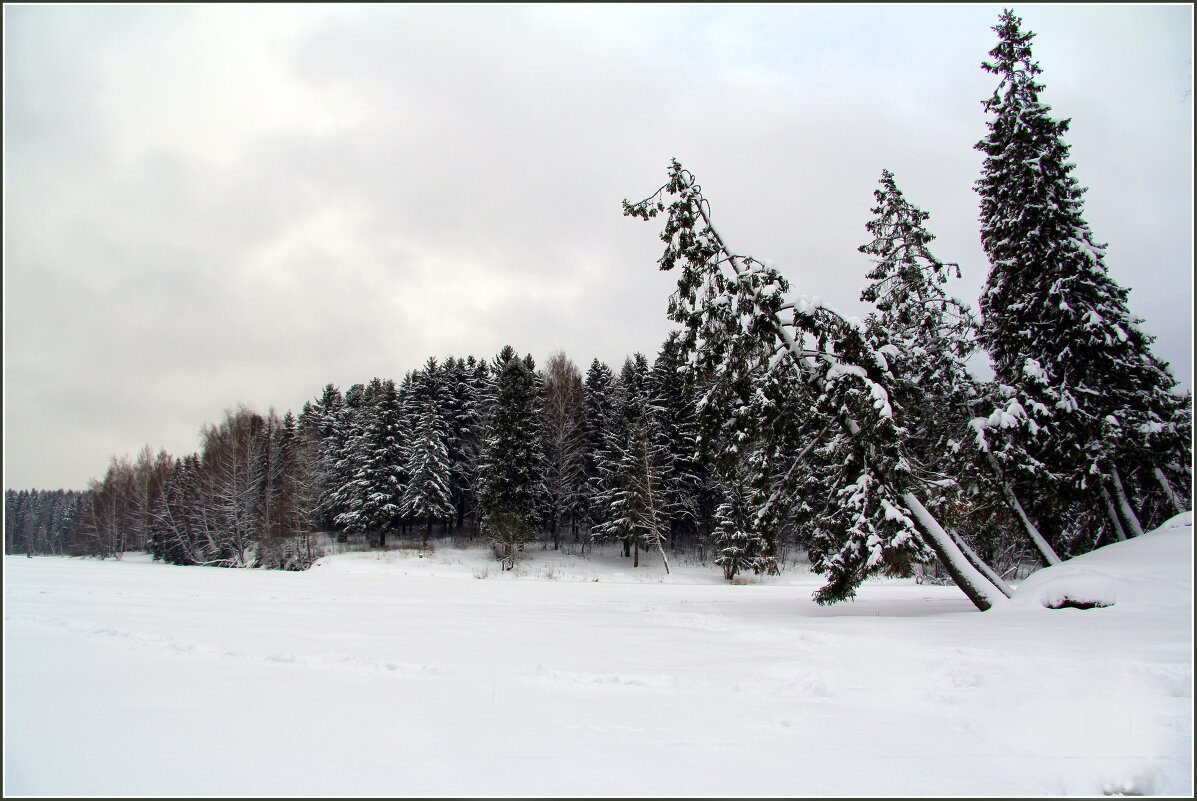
{"x":558,"y":455}
{"x":766,"y":420}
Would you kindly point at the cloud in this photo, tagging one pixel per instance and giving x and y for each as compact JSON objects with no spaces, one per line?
{"x":207,"y":205}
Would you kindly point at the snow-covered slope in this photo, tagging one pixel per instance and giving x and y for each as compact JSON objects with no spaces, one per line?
{"x":1142,"y":573}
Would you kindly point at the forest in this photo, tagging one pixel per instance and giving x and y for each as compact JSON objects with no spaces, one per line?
{"x":765,"y":421}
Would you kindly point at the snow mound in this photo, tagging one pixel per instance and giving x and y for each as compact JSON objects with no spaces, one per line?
{"x":1151,"y":571}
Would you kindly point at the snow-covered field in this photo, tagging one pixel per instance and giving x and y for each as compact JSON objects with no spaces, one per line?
{"x":388,"y":673}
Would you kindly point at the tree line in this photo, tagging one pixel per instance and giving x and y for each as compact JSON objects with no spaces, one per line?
{"x":491,"y":448}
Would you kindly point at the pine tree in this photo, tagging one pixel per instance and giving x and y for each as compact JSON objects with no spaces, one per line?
{"x":1088,"y":396}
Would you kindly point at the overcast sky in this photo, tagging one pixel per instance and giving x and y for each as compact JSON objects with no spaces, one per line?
{"x":213,"y":205}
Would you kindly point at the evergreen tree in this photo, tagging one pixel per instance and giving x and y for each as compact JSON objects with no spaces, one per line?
{"x":737,"y":544}
{"x":427,"y":494}
{"x":458,"y":413}
{"x":645,"y":461}
{"x":373,"y":494}
{"x":634,"y":464}
{"x":41,"y":521}
{"x":629,"y":407}
{"x":685,"y":482}
{"x":477,"y":414}
{"x":737,"y":322}
{"x":1095,"y":410}
{"x":512,"y":466}
{"x":323,"y":425}
{"x":926,"y":338}
{"x":598,"y":414}
{"x":301,"y":487}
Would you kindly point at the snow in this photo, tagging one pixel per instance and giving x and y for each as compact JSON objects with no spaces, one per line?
{"x":1142,"y":572}
{"x":414,"y":673}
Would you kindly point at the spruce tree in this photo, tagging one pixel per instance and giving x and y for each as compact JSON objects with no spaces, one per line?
{"x":926,"y":337}
{"x":373,"y":495}
{"x":685,"y":482}
{"x":512,"y":465}
{"x":476,"y":425}
{"x":596,"y":467}
{"x":634,"y":464}
{"x":427,"y":495}
{"x":458,"y":413}
{"x":1089,"y":397}
{"x":737,"y":322}
{"x":737,"y":544}
{"x":323,"y":427}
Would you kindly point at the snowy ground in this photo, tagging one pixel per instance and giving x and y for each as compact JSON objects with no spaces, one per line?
{"x":391,"y":674}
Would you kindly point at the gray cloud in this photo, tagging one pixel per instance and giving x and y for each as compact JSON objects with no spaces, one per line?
{"x":209,"y":205}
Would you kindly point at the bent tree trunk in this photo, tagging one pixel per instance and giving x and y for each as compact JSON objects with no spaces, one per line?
{"x":981,"y":591}
{"x":1048,"y":553}
{"x":979,"y":563}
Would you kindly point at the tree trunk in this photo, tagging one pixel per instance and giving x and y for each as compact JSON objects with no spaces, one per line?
{"x":664,"y":559}
{"x":1113,"y":513}
{"x":980,"y":590}
{"x":1159,"y":474}
{"x":1049,"y":555}
{"x":1127,"y":511}
{"x":980,"y":565}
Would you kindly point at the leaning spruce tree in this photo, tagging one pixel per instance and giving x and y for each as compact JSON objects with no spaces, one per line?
{"x":737,"y":321}
{"x":1100,"y":435}
{"x":927,"y":337}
